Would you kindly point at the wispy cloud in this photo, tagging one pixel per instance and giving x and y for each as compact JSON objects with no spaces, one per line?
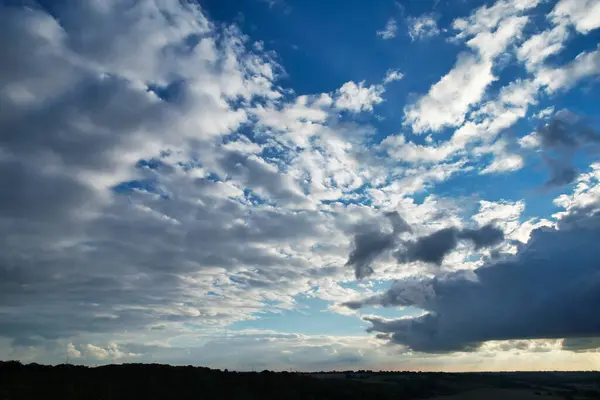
{"x":390,"y":30}
{"x":422,"y":27}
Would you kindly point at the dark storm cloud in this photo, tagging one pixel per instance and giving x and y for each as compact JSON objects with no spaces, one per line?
{"x":560,"y":139}
{"x":433,"y":248}
{"x":550,"y":289}
{"x":371,"y":242}
{"x":566,"y":131}
{"x":561,"y":172}
{"x":486,"y":236}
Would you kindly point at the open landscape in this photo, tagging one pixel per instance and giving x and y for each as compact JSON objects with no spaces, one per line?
{"x":300,"y":199}
{"x":155,"y":381}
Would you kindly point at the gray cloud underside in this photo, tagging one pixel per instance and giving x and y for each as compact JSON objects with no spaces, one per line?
{"x":550,"y":289}
{"x":372,"y":241}
{"x":560,"y":140}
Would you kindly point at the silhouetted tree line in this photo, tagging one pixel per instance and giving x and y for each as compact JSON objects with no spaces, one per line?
{"x":155,"y":381}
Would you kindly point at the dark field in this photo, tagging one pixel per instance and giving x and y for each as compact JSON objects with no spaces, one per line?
{"x":153,"y":381}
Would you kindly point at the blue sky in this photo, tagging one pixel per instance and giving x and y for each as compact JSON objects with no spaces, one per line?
{"x":301,"y":184}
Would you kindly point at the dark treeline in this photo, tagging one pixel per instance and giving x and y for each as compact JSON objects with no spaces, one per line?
{"x":155,"y":381}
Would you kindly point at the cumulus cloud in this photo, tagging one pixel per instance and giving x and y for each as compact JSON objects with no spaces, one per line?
{"x":584,"y":15}
{"x":110,"y":352}
{"x":358,"y":97}
{"x":72,"y":351}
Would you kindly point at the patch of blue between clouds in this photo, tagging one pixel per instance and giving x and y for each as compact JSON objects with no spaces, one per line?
{"x":311,"y":317}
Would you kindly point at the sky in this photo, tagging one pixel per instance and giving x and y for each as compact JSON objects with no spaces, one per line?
{"x":301,"y":185}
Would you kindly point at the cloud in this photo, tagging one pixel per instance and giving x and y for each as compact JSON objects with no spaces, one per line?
{"x":435,"y":246}
{"x":357,"y":97}
{"x":392,"y":75}
{"x":465,"y":84}
{"x":504,"y":21}
{"x":547,"y":290}
{"x":585,"y":197}
{"x":448,"y":100}
{"x":504,"y":163}
{"x":542,"y":45}
{"x":545,"y":113}
{"x":422,"y":27}
{"x":390,"y":30}
{"x":504,"y":160}
{"x":72,"y":351}
{"x":560,"y":139}
{"x":586,"y":64}
{"x":164,"y":186}
{"x":371,"y":241}
{"x":584,"y":15}
{"x":111,"y":352}
{"x":137,"y":199}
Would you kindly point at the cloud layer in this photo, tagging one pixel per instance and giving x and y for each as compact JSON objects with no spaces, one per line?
{"x":167,"y":183}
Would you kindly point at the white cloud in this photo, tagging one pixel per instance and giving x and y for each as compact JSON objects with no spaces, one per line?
{"x":583,"y":14}
{"x":504,"y":160}
{"x":502,"y":21}
{"x":530,"y":141}
{"x":488,"y":18}
{"x":110,"y":353}
{"x":358,"y":97}
{"x":504,"y":163}
{"x":543,"y":114}
{"x":449,"y":99}
{"x":490,"y":30}
{"x":400,"y":149}
{"x":540,"y":46}
{"x":507,"y":215}
{"x":585,"y":196}
{"x":390,"y":30}
{"x":504,"y":212}
{"x":422,"y":27}
{"x":72,"y":351}
{"x":393,"y":75}
{"x":584,"y":65}
{"x":419,"y":178}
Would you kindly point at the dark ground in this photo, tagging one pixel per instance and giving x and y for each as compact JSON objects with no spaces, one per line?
{"x":153,"y":381}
